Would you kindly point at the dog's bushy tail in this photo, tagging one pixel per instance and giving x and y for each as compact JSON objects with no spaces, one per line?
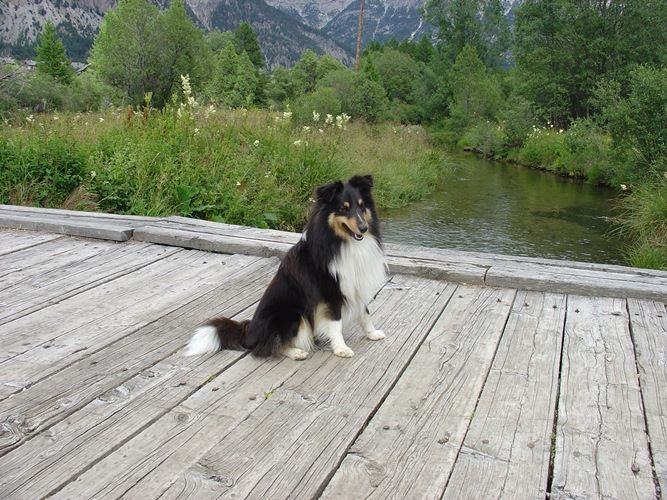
{"x":217,"y":334}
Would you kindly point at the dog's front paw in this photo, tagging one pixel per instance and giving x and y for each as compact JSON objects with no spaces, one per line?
{"x":375,"y":335}
{"x":344,"y":352}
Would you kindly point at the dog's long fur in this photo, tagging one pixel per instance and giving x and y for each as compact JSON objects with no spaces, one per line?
{"x":330,"y":275}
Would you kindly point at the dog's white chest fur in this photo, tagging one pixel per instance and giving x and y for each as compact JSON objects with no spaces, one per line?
{"x":360,"y":268}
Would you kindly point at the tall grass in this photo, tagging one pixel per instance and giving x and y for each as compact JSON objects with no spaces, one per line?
{"x":644,"y":222}
{"x":246,"y":167}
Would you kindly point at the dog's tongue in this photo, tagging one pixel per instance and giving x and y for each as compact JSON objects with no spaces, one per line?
{"x":358,"y":237}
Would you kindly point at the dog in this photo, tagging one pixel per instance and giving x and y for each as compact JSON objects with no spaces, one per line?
{"x":325,"y":281}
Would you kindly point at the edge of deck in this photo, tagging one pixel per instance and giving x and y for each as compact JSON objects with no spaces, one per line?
{"x":525,"y":273}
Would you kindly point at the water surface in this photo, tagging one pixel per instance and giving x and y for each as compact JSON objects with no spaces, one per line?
{"x":487,"y":206}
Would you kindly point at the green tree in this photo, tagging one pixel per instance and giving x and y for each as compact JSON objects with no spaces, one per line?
{"x":51,"y":57}
{"x":478,"y":23}
{"x":126,"y":51}
{"x":368,"y":100}
{"x":183,"y":51}
{"x":476,"y":94}
{"x":305,"y":71}
{"x":140,"y":50}
{"x":398,"y":72}
{"x":246,"y":40}
{"x":234,"y":81}
{"x":564,"y":48}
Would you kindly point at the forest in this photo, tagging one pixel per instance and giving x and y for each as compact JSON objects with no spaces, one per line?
{"x":578,"y":88}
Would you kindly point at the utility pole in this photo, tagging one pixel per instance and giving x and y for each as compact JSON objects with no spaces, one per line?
{"x":360,"y":30}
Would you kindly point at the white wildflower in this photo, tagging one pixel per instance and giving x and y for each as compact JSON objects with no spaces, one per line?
{"x":316,"y":116}
{"x":30,"y":119}
{"x":624,"y":187}
{"x":306,"y":128}
{"x":297,"y":142}
{"x":287,"y":116}
{"x":101,"y":119}
{"x":339,"y":121}
{"x":329,"y":119}
{"x":256,"y":143}
{"x":56,"y":118}
{"x":238,"y":183}
{"x":560,"y":130}
{"x":93,"y":174}
{"x":196,"y":131}
{"x":320,"y":130}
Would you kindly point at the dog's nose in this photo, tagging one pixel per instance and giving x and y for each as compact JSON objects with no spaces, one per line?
{"x":363,"y":227}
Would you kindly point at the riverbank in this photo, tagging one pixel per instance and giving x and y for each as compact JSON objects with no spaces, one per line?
{"x":237,"y":166}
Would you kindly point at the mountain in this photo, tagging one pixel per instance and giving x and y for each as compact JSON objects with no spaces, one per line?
{"x":282,"y":36}
{"x":383,"y":19}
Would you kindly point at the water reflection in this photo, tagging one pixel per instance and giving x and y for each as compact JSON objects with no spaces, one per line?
{"x":501,"y":208}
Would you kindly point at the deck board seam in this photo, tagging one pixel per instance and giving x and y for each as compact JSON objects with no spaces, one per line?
{"x":150,"y":422}
{"x":84,"y":288}
{"x":656,"y":482}
{"x":327,"y":479}
{"x":554,"y":427}
{"x":60,"y":236}
{"x":130,"y":375}
{"x":479,"y":395}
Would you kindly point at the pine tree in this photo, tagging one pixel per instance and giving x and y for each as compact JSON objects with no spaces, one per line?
{"x":51,"y":57}
{"x":246,"y":40}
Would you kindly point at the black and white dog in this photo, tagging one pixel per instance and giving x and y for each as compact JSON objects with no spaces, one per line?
{"x":327,"y":278}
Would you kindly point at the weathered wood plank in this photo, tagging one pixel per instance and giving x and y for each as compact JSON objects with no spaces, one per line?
{"x":409,"y":447}
{"x":72,"y":227}
{"x":649,"y":332}
{"x":601,"y":445}
{"x":110,"y":312}
{"x":14,"y":240}
{"x":308,"y":414}
{"x":55,"y":457}
{"x":34,"y":260}
{"x":210,"y":242}
{"x":578,"y":281}
{"x":50,"y":400}
{"x":506,"y":451}
{"x":62,"y":214}
{"x":59,"y":284}
{"x":30,"y":269}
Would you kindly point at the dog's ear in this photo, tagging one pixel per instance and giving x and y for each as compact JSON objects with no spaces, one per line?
{"x":363,"y":183}
{"x":328,"y":192}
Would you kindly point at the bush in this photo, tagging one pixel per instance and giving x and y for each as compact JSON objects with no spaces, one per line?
{"x":543,"y":148}
{"x":485,"y":137}
{"x":587,"y":152}
{"x":323,"y":101}
{"x":368,"y":100}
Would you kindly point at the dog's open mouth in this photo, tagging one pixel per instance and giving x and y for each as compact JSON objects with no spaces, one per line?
{"x":356,"y":236}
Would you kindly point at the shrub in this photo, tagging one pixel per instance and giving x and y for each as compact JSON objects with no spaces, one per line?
{"x":323,"y":101}
{"x":543,"y":148}
{"x":486,"y":137}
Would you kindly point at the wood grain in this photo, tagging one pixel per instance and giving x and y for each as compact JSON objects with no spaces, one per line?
{"x":506,"y":451}
{"x":14,"y":240}
{"x":649,"y":332}
{"x":601,"y":446}
{"x":52,"y":399}
{"x":408,"y":448}
{"x":306,"y":418}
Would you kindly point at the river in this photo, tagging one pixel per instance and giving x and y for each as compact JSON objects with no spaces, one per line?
{"x":487,"y":206}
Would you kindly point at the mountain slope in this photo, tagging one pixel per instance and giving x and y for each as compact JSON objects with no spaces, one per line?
{"x":282,"y":36}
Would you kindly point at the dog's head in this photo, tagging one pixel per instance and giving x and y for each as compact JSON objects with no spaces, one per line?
{"x":349,"y":207}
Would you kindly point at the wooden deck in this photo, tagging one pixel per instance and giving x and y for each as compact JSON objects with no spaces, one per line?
{"x":500,"y":377}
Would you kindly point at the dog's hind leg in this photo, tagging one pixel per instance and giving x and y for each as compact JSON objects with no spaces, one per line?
{"x":300,"y":346}
{"x":367,"y":326}
{"x":333,"y":330}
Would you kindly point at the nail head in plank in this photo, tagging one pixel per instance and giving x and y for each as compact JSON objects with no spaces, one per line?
{"x":649,"y":332}
{"x":601,"y":445}
{"x":508,"y":445}
{"x":408,"y":448}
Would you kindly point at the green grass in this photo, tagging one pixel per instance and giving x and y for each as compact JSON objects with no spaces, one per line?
{"x":644,"y":223}
{"x":245,"y":167}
